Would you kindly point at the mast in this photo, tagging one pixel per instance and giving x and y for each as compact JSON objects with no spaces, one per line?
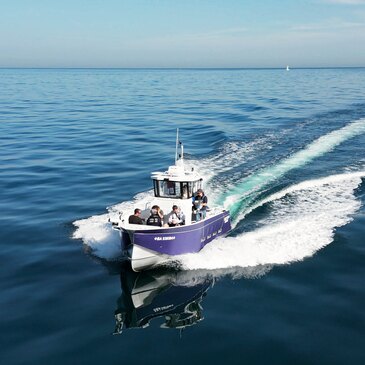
{"x":177,"y":144}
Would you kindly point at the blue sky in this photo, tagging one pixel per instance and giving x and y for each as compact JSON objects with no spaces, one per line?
{"x":182,"y":33}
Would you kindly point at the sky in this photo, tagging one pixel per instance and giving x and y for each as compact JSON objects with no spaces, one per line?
{"x":182,"y":33}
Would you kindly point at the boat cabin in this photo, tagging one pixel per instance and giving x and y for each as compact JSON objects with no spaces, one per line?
{"x":176,"y":186}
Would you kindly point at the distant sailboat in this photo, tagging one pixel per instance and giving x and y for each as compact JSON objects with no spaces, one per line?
{"x":287,"y":68}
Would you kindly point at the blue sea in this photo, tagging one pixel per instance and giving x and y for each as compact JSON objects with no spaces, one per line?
{"x":284,"y":151}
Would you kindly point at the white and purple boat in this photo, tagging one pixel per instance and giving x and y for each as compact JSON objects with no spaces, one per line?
{"x":149,"y":246}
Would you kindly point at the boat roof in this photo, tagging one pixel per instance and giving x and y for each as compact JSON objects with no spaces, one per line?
{"x":177,"y":172}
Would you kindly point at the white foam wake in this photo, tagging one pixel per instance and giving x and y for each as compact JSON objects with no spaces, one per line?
{"x":97,"y":233}
{"x":241,"y":196}
{"x":302,"y":218}
{"x":231,"y":154}
{"x":301,"y":221}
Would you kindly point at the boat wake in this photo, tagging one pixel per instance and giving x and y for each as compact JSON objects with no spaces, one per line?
{"x":299,"y":220}
{"x":97,"y":234}
{"x":240,"y":198}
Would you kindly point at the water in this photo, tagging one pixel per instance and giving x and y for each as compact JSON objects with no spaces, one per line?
{"x":283,"y":150}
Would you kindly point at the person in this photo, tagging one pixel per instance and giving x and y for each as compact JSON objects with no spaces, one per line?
{"x":200,"y":203}
{"x":156,"y":217}
{"x":136,"y":217}
{"x":185,"y":191}
{"x":176,"y":217}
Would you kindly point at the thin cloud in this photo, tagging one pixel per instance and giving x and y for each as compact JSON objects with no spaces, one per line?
{"x":329,"y":25}
{"x":346,"y":2}
{"x":217,"y":35}
{"x":222,"y":32}
{"x":230,"y":31}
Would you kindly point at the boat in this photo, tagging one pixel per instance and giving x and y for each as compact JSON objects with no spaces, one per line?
{"x":156,"y":294}
{"x":149,"y":246}
{"x":287,"y":68}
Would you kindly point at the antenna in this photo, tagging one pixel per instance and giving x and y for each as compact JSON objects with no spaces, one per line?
{"x":177,"y":143}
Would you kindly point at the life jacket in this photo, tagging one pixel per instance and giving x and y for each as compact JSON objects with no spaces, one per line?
{"x":154,"y":220}
{"x":197,"y":201}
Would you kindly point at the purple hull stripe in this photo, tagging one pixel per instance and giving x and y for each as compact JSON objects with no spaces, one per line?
{"x":183,"y":239}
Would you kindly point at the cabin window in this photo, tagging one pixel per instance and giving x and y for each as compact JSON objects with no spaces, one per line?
{"x":187,"y":189}
{"x":173,"y":189}
{"x":168,"y":189}
{"x":155,"y":187}
{"x":196,"y":185}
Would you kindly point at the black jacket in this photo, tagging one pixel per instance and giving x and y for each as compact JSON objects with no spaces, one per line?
{"x":133,"y":219}
{"x":154,"y":220}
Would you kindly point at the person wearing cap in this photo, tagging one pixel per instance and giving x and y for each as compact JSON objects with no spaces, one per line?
{"x":136,"y":217}
{"x":200,"y":202}
{"x":176,"y":217}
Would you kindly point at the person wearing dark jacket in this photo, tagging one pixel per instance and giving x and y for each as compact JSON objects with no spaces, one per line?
{"x":136,"y":217}
{"x":200,"y":204}
{"x":155,"y":219}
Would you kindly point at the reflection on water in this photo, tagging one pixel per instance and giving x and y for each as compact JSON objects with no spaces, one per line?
{"x":174,"y":296}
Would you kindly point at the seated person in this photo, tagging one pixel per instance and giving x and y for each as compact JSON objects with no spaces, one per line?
{"x":136,"y":217}
{"x":200,"y":204}
{"x":176,"y":217}
{"x":156,"y":217}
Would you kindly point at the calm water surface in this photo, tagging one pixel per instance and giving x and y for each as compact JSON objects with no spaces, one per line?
{"x":285,"y":150}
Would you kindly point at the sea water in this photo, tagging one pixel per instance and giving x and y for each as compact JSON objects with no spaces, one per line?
{"x":283,"y":151}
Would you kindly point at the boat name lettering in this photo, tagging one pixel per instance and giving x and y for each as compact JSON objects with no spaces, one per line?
{"x":167,"y":238}
{"x":159,"y":309}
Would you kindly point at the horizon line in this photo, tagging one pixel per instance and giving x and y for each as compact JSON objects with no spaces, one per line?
{"x":173,"y":68}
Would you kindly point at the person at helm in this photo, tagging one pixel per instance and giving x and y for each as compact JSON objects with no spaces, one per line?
{"x":200,"y":203}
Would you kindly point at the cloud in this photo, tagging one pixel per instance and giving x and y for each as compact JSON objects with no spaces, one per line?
{"x":231,"y":31}
{"x":346,"y":2}
{"x":328,"y":25}
{"x":214,"y":34}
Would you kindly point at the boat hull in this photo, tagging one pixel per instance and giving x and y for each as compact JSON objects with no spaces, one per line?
{"x":148,"y":248}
